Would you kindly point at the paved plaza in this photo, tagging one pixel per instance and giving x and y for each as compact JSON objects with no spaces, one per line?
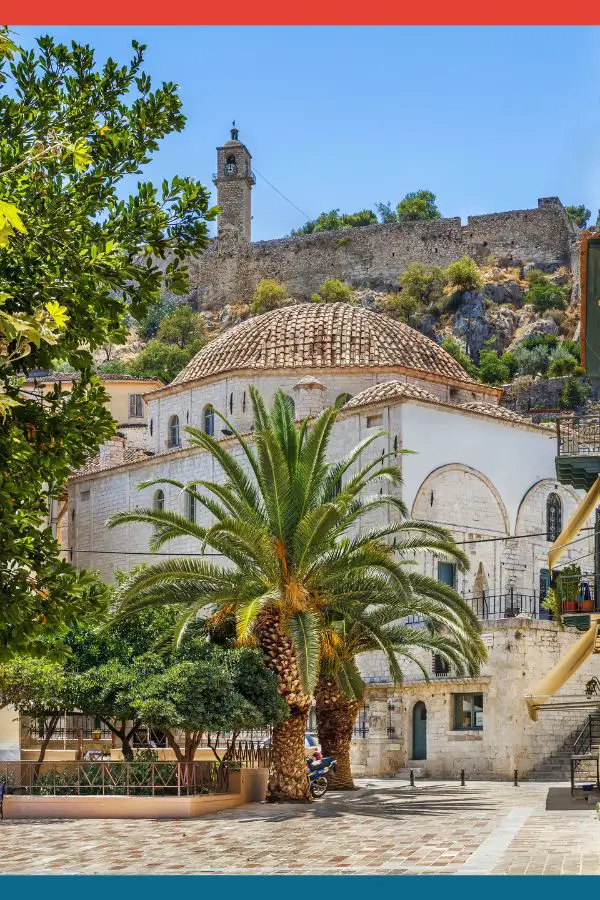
{"x":386,"y":827}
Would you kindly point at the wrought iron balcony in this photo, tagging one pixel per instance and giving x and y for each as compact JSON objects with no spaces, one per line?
{"x":578,"y":450}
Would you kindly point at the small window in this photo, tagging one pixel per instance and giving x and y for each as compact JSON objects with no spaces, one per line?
{"x":231,"y":402}
{"x":209,"y":421}
{"x":244,"y":402}
{"x":190,"y":507}
{"x":468,"y":712}
{"x":447,"y":573}
{"x":136,"y":406}
{"x":174,"y":437}
{"x":553,"y":517}
{"x":84,"y":495}
{"x":374,"y":421}
{"x":158,"y":501}
{"x":151,"y":426}
{"x":343,"y":399}
{"x":440,"y":665}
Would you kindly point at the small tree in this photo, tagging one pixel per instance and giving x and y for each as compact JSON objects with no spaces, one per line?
{"x":573,"y":395}
{"x":492,"y":369}
{"x":531,"y":361}
{"x":463,"y":275}
{"x":580,"y":215}
{"x":563,"y":363}
{"x":423,"y":284}
{"x":269,"y":294}
{"x":183,"y":328}
{"x":334,"y":291}
{"x":416,"y":206}
{"x":451,"y":346}
{"x":37,"y":688}
{"x":162,"y":360}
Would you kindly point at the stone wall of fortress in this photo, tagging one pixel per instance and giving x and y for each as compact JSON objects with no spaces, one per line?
{"x":374,"y":256}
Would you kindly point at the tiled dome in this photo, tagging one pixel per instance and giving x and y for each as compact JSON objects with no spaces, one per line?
{"x":321,"y":336}
{"x":390,"y":390}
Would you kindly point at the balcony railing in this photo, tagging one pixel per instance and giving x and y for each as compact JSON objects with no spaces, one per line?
{"x":513,"y":603}
{"x":578,"y":435}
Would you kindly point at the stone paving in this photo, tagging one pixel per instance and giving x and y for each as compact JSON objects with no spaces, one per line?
{"x":386,"y":827}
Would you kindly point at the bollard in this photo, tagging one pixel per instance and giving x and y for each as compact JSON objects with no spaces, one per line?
{"x":462,"y":777}
{"x":516,"y":781}
{"x":412,"y":778}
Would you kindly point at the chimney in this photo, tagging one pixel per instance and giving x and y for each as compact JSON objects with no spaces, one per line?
{"x":309,"y":397}
{"x":112,"y":453}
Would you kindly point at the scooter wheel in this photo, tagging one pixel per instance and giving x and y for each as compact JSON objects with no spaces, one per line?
{"x":318,"y":787}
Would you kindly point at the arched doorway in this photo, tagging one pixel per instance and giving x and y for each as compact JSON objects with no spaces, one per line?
{"x":419,"y":731}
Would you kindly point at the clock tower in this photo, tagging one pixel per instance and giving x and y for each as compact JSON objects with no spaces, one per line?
{"x":234,"y":179}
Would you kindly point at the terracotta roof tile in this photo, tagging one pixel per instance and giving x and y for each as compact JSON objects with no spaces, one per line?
{"x":315,"y":335}
{"x":390,"y":390}
{"x":498,"y":412}
{"x":131,"y":455}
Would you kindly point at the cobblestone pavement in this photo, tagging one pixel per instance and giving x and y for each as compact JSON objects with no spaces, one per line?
{"x":386,"y":827}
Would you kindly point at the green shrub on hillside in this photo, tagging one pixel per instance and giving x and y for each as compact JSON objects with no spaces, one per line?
{"x":269,"y":294}
{"x":543,"y":295}
{"x":451,"y":346}
{"x":573,"y":395}
{"x":423,"y":284}
{"x":463,"y":275}
{"x":334,"y":291}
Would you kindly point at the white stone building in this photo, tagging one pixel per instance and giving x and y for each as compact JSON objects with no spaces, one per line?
{"x":484,"y":472}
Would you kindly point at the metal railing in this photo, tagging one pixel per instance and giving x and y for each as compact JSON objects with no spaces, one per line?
{"x":578,"y":435}
{"x":589,"y":736}
{"x":114,"y":778}
{"x":499,"y":606}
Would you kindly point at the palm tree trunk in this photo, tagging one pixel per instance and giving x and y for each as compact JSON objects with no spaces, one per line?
{"x":287,"y":781}
{"x":335,"y":722}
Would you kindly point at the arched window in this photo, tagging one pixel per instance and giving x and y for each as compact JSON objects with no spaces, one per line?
{"x":158,"y":501}
{"x":174,"y":438}
{"x":343,"y":399}
{"x":190,"y":507}
{"x":209,"y":420}
{"x":553,"y":517}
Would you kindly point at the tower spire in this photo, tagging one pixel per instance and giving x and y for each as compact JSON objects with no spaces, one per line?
{"x":234,"y":132}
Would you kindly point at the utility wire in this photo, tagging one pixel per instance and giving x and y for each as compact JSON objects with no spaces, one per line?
{"x":192,"y":553}
{"x":287,"y":199}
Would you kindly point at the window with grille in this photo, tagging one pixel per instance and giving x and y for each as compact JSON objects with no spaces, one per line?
{"x":553,"y":517}
{"x":440,"y":666}
{"x":136,"y":406}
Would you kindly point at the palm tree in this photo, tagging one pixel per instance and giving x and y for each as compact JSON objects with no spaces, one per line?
{"x":340,"y":688}
{"x":282,"y":526}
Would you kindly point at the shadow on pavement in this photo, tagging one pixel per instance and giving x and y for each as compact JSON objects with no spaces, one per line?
{"x":559,"y":799}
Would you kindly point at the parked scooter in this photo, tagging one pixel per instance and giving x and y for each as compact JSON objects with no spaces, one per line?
{"x":317,"y":771}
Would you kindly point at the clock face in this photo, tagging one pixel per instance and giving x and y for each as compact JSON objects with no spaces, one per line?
{"x":230,"y":168}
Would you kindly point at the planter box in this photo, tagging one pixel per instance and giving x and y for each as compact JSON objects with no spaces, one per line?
{"x":246,"y":786}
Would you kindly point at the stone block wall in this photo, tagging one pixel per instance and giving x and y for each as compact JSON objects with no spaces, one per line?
{"x":520,"y":653}
{"x":375,"y":255}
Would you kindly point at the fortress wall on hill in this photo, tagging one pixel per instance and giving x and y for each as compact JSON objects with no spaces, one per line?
{"x":375,"y":255}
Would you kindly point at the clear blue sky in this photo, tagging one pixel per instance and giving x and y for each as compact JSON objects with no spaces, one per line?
{"x":489,"y":119}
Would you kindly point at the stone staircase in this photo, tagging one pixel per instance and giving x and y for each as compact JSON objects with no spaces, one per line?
{"x":557,"y":765}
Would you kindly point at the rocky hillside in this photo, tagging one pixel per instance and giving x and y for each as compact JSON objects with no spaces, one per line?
{"x":509,"y":326}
